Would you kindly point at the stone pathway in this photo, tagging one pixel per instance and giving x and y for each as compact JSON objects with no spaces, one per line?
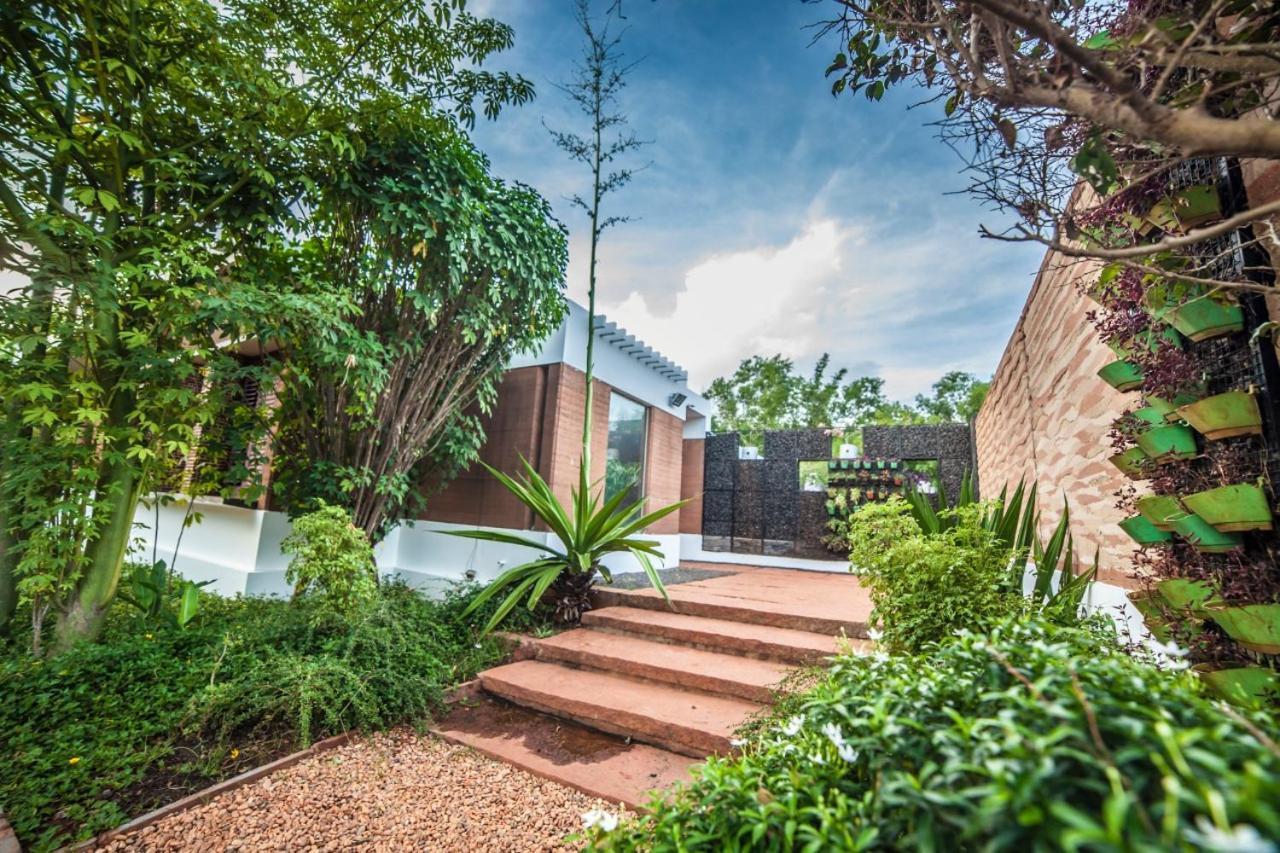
{"x":394,"y":791}
{"x":660,"y":687}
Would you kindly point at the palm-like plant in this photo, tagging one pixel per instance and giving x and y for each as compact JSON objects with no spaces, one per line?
{"x":590,"y":528}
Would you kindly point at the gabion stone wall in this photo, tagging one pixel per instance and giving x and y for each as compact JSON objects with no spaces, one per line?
{"x":950,"y":444}
{"x":756,"y":506}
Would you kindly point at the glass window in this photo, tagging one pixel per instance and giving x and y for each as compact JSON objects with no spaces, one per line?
{"x":624,"y":465}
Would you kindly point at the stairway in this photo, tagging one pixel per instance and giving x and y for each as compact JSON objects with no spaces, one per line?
{"x":673,"y":681}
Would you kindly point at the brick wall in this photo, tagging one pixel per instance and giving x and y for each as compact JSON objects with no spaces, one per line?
{"x":1047,"y":418}
{"x":562,"y":429}
{"x":664,"y":460}
{"x":691,"y":485}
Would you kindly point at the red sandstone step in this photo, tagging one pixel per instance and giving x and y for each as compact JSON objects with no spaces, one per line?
{"x":734,"y":606}
{"x":784,"y":645}
{"x":727,"y":675}
{"x":598,"y":764}
{"x":695,"y":724}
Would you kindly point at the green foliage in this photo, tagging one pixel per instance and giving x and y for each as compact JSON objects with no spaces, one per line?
{"x":588,"y":530}
{"x":331,"y":560}
{"x":1033,"y":738}
{"x":113,"y":729}
{"x":767,"y":394}
{"x":161,"y":597}
{"x":926,"y":587}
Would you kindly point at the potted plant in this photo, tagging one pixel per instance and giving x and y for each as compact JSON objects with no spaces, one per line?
{"x":1148,"y":340}
{"x":1169,"y":407}
{"x":1187,"y":594}
{"x":1186,"y":208}
{"x":1122,"y":375}
{"x":1227,"y":415}
{"x":1233,"y":508}
{"x":831,"y":507}
{"x":1250,"y":686}
{"x":1142,"y":531}
{"x":1254,"y":626}
{"x":1131,"y":463}
{"x":1191,"y":310}
{"x":1168,"y":443}
{"x":833,"y":464}
{"x":1159,"y":510}
{"x":1203,"y":535}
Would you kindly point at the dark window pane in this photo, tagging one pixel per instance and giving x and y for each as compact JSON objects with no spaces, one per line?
{"x":625,"y":458}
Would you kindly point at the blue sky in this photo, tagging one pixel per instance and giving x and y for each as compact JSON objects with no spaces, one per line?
{"x":772,"y":217}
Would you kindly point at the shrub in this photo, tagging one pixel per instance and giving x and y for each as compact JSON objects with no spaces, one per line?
{"x":1033,"y":738}
{"x":926,"y":587}
{"x":332,"y":560}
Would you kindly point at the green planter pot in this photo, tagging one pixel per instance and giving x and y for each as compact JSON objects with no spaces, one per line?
{"x":1205,"y":317}
{"x":1168,"y":443}
{"x":831,"y":507}
{"x":1203,"y":535}
{"x":1170,"y":407}
{"x":1186,"y":594}
{"x":1148,"y":340}
{"x":1143,"y":532}
{"x":1152,"y":610}
{"x":833,"y":465}
{"x":1151,"y":415}
{"x":1130,"y":463}
{"x":1228,"y":415}
{"x":1248,"y":686}
{"x":1232,"y":509}
{"x":1254,"y":626}
{"x":1121,"y":375}
{"x":1186,"y":208}
{"x":1160,"y":510}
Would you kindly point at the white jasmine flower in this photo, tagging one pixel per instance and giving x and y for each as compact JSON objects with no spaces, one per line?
{"x":832,"y":733}
{"x":607,"y":821}
{"x":737,"y":742}
{"x":817,"y":759}
{"x":874,"y":635}
{"x":880,"y":657}
{"x":792,"y":728}
{"x":847,"y":753}
{"x":1169,"y":655}
{"x":1241,"y":838}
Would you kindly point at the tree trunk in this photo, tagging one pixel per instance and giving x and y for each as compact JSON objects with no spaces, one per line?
{"x":8,"y":579}
{"x":570,"y":594}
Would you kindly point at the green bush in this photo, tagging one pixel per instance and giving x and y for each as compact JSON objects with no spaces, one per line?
{"x":1032,"y":738}
{"x":926,"y":587}
{"x":112,"y":729}
{"x":332,"y":561}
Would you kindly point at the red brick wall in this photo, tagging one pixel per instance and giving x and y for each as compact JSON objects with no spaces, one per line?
{"x":691,"y":485}
{"x":562,"y":429}
{"x":664,"y":459}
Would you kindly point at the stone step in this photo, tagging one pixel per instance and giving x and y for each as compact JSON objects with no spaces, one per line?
{"x":684,"y":721}
{"x":831,"y":607}
{"x":784,"y":645}
{"x":598,"y":764}
{"x":713,"y":672}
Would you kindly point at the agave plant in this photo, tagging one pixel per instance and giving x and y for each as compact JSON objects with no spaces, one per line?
{"x":588,"y":529}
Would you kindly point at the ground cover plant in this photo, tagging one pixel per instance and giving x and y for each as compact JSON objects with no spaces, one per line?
{"x":1031,"y":737}
{"x":112,"y":729}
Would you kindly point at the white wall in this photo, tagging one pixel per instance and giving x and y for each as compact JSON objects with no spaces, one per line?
{"x":239,"y":550}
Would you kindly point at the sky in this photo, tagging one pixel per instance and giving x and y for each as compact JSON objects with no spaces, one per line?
{"x":770,"y":217}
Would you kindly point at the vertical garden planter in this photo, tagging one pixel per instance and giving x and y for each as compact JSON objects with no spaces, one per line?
{"x":1152,"y":610}
{"x":1254,"y":626}
{"x":1248,"y":686}
{"x":1168,"y":443}
{"x":1228,"y":415}
{"x":1170,"y":407}
{"x":1131,"y":463}
{"x":1187,"y":594}
{"x":1187,"y":208}
{"x":1206,"y":317}
{"x":1160,"y":510}
{"x":1121,"y":375}
{"x":1232,"y":509}
{"x":1143,"y":532}
{"x":1203,"y":535}
{"x":1148,"y":340}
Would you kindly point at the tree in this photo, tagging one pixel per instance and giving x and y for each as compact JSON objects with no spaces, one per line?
{"x":147,"y":148}
{"x":1039,"y":95}
{"x":957,"y":396}
{"x":450,"y":273}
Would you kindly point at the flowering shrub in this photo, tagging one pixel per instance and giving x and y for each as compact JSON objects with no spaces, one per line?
{"x":1033,"y":737}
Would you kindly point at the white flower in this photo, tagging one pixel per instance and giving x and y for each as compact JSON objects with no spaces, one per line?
{"x":817,"y":759}
{"x":832,"y":733}
{"x":793,"y":726}
{"x":874,"y":634}
{"x":1241,"y":838}
{"x":607,"y":821}
{"x":880,"y":657}
{"x":737,"y":742}
{"x":847,"y":753}
{"x":1169,"y":655}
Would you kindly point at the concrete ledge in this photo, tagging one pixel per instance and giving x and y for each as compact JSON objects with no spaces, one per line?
{"x":8,"y":838}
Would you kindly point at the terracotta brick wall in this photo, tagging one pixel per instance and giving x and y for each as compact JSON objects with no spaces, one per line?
{"x":664,"y":460}
{"x":691,"y":485}
{"x":1048,"y":414}
{"x":562,"y":429}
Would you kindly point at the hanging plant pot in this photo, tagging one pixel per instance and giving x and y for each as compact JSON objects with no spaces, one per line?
{"x":1150,"y":606}
{"x":1160,"y":510}
{"x":832,"y":465}
{"x":1203,"y":535}
{"x":1150,"y":415}
{"x":1143,"y":532}
{"x":1122,"y":375}
{"x":1234,"y":508}
{"x":1168,"y":443}
{"x":1187,"y":594}
{"x":1131,"y":463}
{"x":1187,"y":208}
{"x":1249,"y":686}
{"x":1254,"y":626}
{"x":1148,"y":340}
{"x":1226,"y":415}
{"x":1206,"y":317}
{"x":1169,"y":407}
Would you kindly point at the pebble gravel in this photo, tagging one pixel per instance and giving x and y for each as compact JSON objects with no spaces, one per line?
{"x":392,"y":791}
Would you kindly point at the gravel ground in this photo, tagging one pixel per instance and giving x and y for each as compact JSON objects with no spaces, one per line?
{"x":392,"y":791}
{"x":670,"y":577}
